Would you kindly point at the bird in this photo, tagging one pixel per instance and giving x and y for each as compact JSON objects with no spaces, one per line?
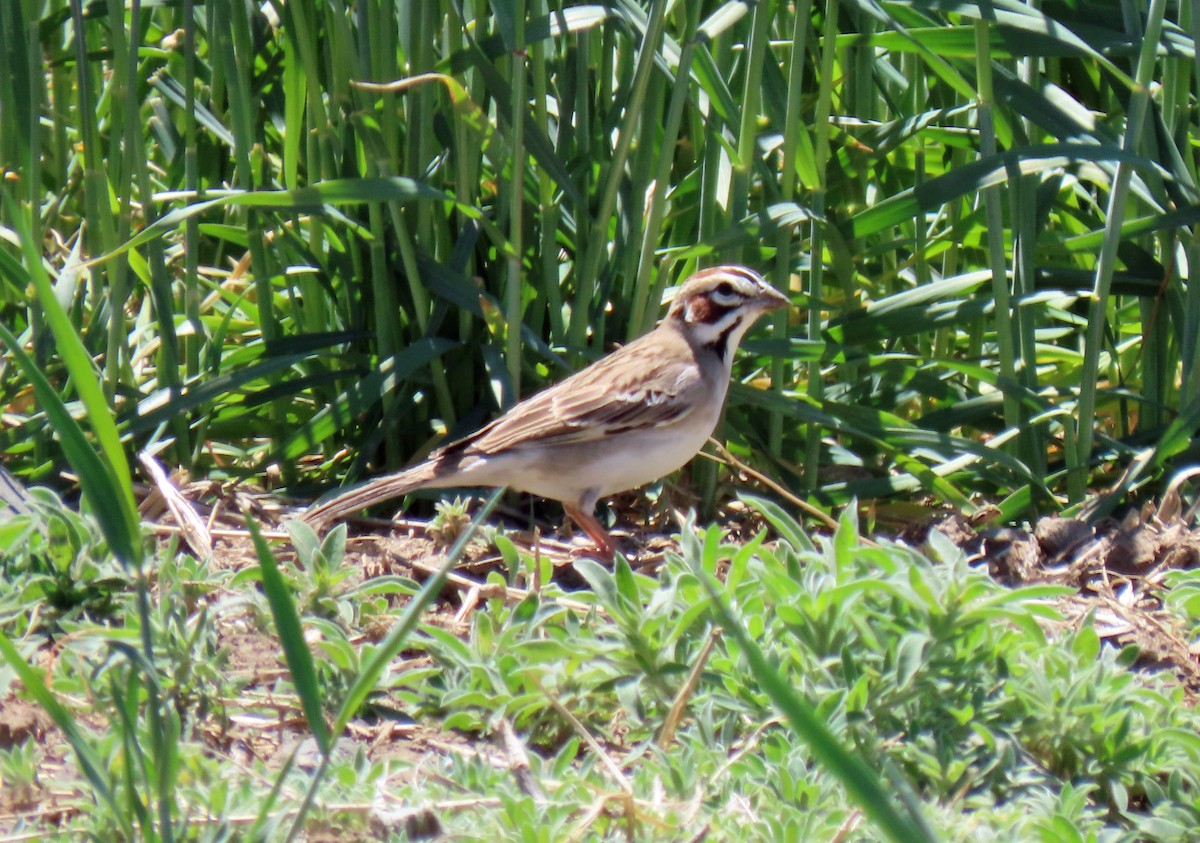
{"x":633,"y":416}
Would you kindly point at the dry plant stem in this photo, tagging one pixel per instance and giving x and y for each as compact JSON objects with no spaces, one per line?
{"x":468,"y":605}
{"x":492,"y":759}
{"x":195,"y":531}
{"x":519,"y":762}
{"x":212,"y":518}
{"x":1172,"y":492}
{"x":852,"y":822}
{"x":219,"y":532}
{"x":634,"y":809}
{"x":510,"y":594}
{"x":448,"y":806}
{"x":610,"y":766}
{"x":801,"y":504}
{"x":35,"y":835}
{"x":671,"y":722}
{"x":750,"y":743}
{"x":580,"y":832}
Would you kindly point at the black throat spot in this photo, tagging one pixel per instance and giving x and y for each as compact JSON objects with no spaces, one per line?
{"x":705,"y":311}
{"x":721,"y":345}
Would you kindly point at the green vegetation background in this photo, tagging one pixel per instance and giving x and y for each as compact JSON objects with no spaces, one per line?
{"x":227,"y":237}
{"x":984,"y":213}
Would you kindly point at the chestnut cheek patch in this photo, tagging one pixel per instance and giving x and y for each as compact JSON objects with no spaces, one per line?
{"x":704,"y":311}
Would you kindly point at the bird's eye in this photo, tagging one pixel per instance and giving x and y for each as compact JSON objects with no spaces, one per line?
{"x":726,"y":294}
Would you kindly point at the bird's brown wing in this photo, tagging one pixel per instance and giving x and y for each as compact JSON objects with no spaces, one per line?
{"x":608,"y":397}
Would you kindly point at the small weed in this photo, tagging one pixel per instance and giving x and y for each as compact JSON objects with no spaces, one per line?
{"x":19,"y":773}
{"x":449,"y":523}
{"x":319,"y":577}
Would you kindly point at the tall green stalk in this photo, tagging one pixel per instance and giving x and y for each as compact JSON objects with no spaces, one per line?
{"x":194,"y":340}
{"x":516,"y":209}
{"x":819,"y":169}
{"x":997,"y":260}
{"x":126,"y":122}
{"x":598,"y":240}
{"x":100,"y":234}
{"x":644,"y":308}
{"x":1079,"y":457}
{"x":747,"y":132}
{"x":548,"y":211}
{"x":789,"y":184}
{"x":1190,"y":332}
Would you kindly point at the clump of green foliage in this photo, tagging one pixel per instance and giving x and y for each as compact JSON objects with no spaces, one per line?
{"x":971,"y":707}
{"x":983,"y":213}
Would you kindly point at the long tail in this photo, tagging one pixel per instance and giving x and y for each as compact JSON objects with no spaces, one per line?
{"x":371,"y":492}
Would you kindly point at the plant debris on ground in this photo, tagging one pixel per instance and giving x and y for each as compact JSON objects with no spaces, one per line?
{"x":1022,"y":680}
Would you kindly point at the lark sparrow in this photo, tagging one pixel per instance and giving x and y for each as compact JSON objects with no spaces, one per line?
{"x":629,"y":418}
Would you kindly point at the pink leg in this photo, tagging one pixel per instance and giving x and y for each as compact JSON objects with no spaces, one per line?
{"x":593,"y":528}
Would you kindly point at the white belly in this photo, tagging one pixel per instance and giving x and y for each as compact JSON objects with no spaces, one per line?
{"x":583,"y":472}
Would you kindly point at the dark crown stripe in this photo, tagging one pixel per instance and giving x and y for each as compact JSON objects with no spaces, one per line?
{"x":741,"y":271}
{"x":737,"y":271}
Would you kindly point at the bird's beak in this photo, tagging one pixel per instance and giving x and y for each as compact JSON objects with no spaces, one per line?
{"x":771,"y":299}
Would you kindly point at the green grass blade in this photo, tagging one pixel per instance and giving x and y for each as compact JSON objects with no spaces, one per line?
{"x":105,"y":475}
{"x":291,"y":637}
{"x":397,"y":636}
{"x":864,"y":785}
{"x":92,"y":767}
{"x":104,"y":491}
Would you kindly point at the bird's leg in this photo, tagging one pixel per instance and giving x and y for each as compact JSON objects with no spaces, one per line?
{"x":596,"y":532}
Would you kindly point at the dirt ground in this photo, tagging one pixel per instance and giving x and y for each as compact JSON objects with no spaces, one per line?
{"x":1116,"y":568}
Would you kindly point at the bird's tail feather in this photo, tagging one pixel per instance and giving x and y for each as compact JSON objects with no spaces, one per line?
{"x":371,"y":492}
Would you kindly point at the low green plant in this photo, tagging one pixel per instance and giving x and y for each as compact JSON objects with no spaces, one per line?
{"x":512,"y":658}
{"x":449,"y":521}
{"x":55,"y":566}
{"x":193,"y":665}
{"x":1181,"y":596}
{"x":967,"y":698}
{"x":972,"y":706}
{"x":319,"y":578}
{"x":19,"y":765}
